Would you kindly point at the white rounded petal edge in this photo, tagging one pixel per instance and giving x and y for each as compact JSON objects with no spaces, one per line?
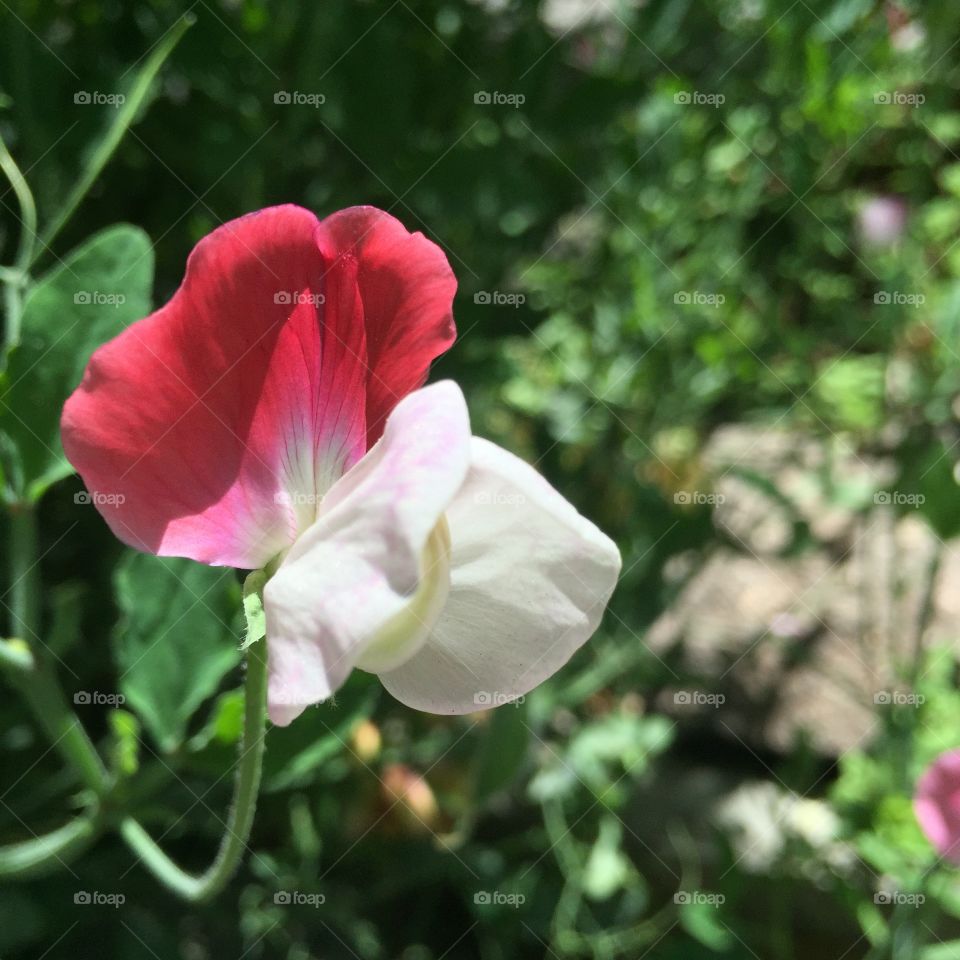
{"x":358,"y":572}
{"x":530,"y":579}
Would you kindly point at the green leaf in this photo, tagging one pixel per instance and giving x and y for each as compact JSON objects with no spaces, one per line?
{"x":502,"y":752}
{"x":852,"y":390}
{"x":178,"y":638}
{"x":253,"y":608}
{"x":939,"y":491}
{"x":96,"y":292}
{"x":225,"y":724}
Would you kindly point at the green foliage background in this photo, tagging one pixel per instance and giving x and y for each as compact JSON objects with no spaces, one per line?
{"x":671,"y":267}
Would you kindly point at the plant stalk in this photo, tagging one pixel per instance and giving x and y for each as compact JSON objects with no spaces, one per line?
{"x":200,"y":887}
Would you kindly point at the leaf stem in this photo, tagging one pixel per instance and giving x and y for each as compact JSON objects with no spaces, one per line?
{"x":15,"y":279}
{"x":125,"y":116}
{"x":240,"y":820}
{"x":42,"y":691}
{"x":23,"y":573}
{"x":57,"y":848}
{"x":33,"y":676}
{"x":30,"y":672}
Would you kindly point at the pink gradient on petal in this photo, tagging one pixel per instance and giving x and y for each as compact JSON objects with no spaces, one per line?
{"x":361,"y":564}
{"x":247,"y":387}
{"x":407,"y":289}
{"x":937,"y":804}
{"x":212,"y":428}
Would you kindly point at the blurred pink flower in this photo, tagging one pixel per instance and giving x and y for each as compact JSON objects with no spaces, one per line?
{"x":937,"y":804}
{"x":881,"y":220}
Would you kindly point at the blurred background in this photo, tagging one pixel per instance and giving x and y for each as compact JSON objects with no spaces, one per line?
{"x":709,"y":284}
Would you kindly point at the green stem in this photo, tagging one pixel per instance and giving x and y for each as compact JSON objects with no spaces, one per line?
{"x":42,"y":692}
{"x":15,"y":656}
{"x":16,"y":279}
{"x":34,"y":857}
{"x":38,"y":684}
{"x":240,"y":820}
{"x":12,"y":312}
{"x":30,"y":672}
{"x":125,"y":116}
{"x":24,"y":574}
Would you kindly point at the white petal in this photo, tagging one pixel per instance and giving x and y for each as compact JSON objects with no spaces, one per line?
{"x":357,"y":576}
{"x":530,"y":580}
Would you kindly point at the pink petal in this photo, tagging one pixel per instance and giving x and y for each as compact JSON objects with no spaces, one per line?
{"x":407,"y":289}
{"x":937,"y":804}
{"x":211,"y":429}
{"x":361,"y":565}
{"x":202,"y":427}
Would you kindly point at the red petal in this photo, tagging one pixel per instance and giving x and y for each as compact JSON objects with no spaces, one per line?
{"x":407,"y":289}
{"x":207,"y":429}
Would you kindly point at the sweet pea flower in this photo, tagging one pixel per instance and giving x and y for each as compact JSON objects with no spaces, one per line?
{"x":937,"y":804}
{"x":272,"y":416}
{"x":882,"y":220}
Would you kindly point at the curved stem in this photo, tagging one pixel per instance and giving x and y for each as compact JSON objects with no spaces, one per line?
{"x":30,"y":672}
{"x":240,"y":820}
{"x":38,"y":685}
{"x":42,"y":692}
{"x":15,"y":280}
{"x":28,"y":208}
{"x":57,"y":848}
{"x":125,"y":116}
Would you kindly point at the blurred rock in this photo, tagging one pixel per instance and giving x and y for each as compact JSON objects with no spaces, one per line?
{"x":780,"y":643}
